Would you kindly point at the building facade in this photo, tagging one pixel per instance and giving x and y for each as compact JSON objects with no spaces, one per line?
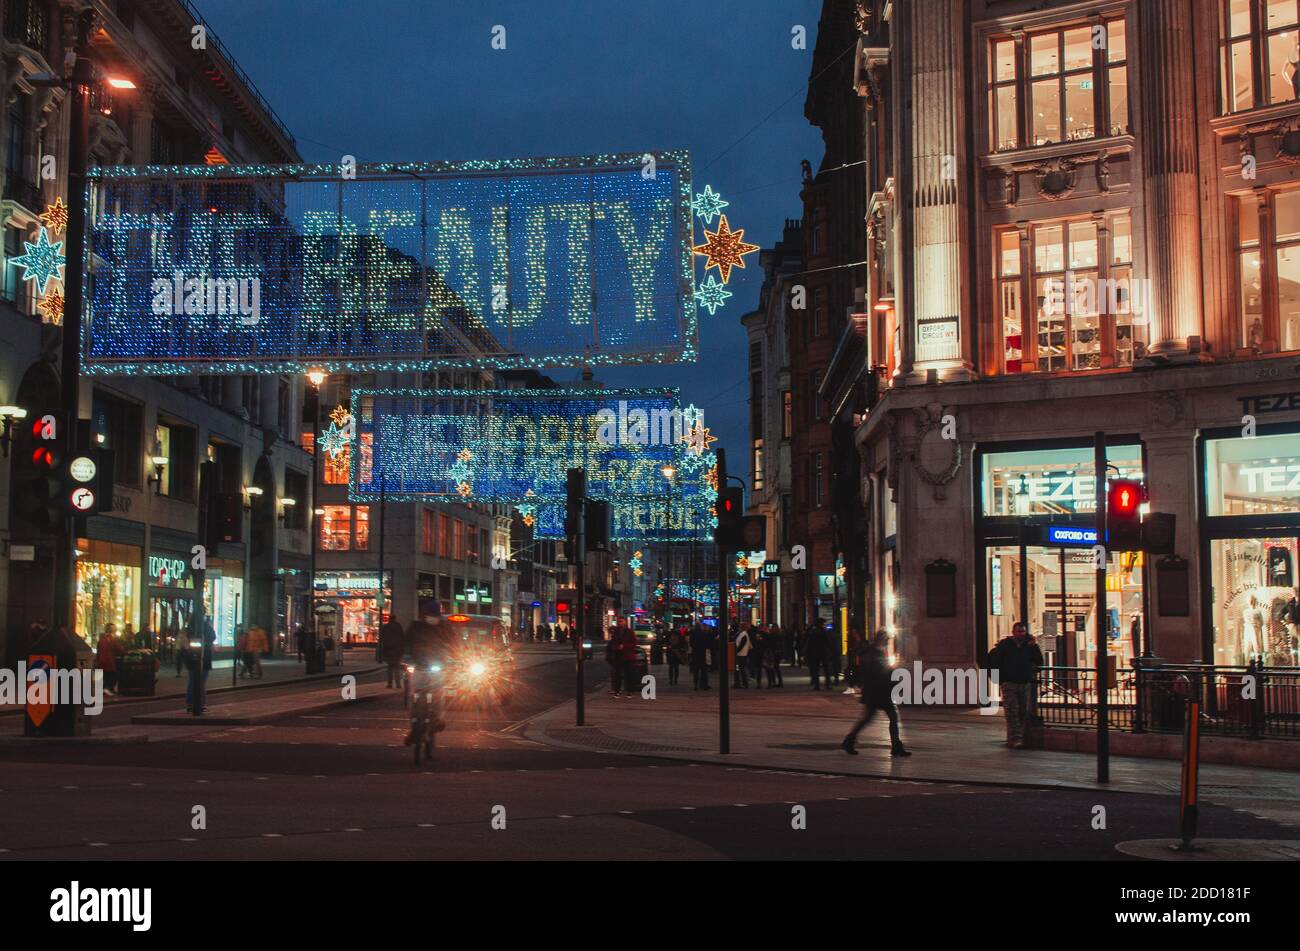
{"x":188,"y":105}
{"x":1084,"y":219}
{"x":771,"y":420}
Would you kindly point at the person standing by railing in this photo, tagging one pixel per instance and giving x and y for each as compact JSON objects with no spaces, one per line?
{"x":1016,"y":659}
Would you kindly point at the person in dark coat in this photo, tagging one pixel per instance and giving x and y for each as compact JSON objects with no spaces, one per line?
{"x":1016,"y":659}
{"x":877,"y":688}
{"x":391,"y":648}
{"x":814,"y":653}
{"x":676,"y":651}
{"x":702,"y":641}
{"x":300,"y":638}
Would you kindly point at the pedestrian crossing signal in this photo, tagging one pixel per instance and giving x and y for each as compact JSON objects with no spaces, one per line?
{"x":1124,"y":498}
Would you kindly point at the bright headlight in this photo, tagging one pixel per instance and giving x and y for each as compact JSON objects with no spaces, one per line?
{"x":478,"y":668}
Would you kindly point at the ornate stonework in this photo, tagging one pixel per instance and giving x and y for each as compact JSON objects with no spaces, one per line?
{"x":1056,"y":178}
{"x":936,"y":459}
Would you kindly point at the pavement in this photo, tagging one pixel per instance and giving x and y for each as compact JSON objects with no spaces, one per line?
{"x":796,"y":728}
{"x":275,"y":671}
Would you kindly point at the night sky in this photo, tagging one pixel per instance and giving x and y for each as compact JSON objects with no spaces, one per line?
{"x":417,"y":80}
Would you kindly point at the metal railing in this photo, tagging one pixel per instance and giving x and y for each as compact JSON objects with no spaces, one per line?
{"x":1256,"y":702}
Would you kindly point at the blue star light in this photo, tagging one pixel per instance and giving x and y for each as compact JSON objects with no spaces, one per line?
{"x":333,"y":441}
{"x":709,"y":204}
{"x":42,"y":261}
{"x":711,"y":295}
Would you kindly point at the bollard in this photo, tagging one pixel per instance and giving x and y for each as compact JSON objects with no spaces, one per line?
{"x":1191,"y":763}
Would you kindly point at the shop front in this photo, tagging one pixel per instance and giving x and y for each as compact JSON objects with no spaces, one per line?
{"x":171,"y":598}
{"x":347,"y":604}
{"x":1250,"y":529}
{"x":108,"y":588}
{"x":1035,"y":538}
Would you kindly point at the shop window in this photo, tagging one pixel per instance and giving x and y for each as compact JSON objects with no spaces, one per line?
{"x":361,"y":528}
{"x":108,"y":580}
{"x":1073,"y":80}
{"x":1262,"y":32}
{"x":1255,"y":250}
{"x":787,"y":414}
{"x":1286,"y":245}
{"x":1089,"y":310}
{"x":1050,"y":481}
{"x":471,"y":549}
{"x":457,"y":540}
{"x":444,"y":535}
{"x":176,"y":444}
{"x":1252,"y":581}
{"x":1258,"y":476}
{"x":336,"y":528}
{"x":758,"y":465}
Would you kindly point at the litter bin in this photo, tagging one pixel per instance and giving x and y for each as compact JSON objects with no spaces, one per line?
{"x":315,"y":655}
{"x":57,"y":706}
{"x":137,"y":673}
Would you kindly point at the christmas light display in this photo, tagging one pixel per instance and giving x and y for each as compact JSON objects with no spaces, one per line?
{"x":55,"y":216}
{"x":333,"y":440}
{"x":481,"y":264}
{"x":711,"y":295}
{"x":516,"y":446}
{"x":698,"y":440}
{"x":709,"y":204}
{"x":724,"y":249}
{"x":51,"y":308}
{"x":43,"y":261}
{"x":635,"y":563}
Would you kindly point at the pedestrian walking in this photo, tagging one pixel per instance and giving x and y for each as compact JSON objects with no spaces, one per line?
{"x":107,"y":652}
{"x":853,"y":659}
{"x":677,"y":652}
{"x":701,"y":642}
{"x":300,"y":639}
{"x":744,"y":645}
{"x":814,"y":654}
{"x":392,"y":647}
{"x":791,"y":641}
{"x":877,"y":694}
{"x":258,"y":644}
{"x":1016,"y":659}
{"x":240,"y":659}
{"x":620,"y":652}
{"x":773,"y":646}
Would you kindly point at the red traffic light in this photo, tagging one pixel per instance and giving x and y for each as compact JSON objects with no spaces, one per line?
{"x":1125,"y":497}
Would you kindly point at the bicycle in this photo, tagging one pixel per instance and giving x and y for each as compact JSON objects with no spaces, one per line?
{"x":426,"y":712}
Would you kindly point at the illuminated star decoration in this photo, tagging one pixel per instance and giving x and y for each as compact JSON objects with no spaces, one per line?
{"x":333,"y":440}
{"x":709,"y":204}
{"x":635,"y":563}
{"x":55,"y":216}
{"x":462,"y":473}
{"x":340,"y":415}
{"x":698,"y":440}
{"x":529,"y":514}
{"x":724,"y":249}
{"x":42,"y":262}
{"x":51,"y":308}
{"x":465,"y":489}
{"x":711,"y":295}
{"x":692,"y":415}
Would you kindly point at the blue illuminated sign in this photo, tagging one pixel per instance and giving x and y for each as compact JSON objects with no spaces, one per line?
{"x":1070,"y":535}
{"x":480,"y":264}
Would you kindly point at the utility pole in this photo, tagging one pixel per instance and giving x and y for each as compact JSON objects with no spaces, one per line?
{"x":576,"y":530}
{"x":724,"y":632}
{"x":83,"y":74}
{"x":383,"y":509}
{"x":1102,"y":665}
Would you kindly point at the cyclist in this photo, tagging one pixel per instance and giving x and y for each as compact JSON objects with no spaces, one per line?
{"x":427,"y":646}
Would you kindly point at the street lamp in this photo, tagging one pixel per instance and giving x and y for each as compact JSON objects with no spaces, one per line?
{"x":251,"y":492}
{"x":159,"y":467}
{"x":317,"y":377}
{"x":9,"y":414}
{"x":286,"y":504}
{"x":669,"y":473}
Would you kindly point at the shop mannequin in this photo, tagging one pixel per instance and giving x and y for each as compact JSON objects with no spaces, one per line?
{"x":1252,"y":629}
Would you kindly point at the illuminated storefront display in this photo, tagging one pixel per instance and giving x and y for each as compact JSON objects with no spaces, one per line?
{"x":108,"y":588}
{"x":171,"y":597}
{"x":1252,"y":507}
{"x":350,"y":603}
{"x":1036,"y":534}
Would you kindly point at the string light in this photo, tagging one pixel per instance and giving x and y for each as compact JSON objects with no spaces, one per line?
{"x":708,"y":204}
{"x":51,"y":308}
{"x":539,"y":262}
{"x":55,"y":216}
{"x":711,"y":295}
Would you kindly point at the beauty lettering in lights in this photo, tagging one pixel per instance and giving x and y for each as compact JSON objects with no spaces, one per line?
{"x":479,"y":264}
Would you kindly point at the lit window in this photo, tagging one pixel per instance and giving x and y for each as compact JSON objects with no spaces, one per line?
{"x":336,"y":528}
{"x":1265,"y":32}
{"x":1073,"y":80}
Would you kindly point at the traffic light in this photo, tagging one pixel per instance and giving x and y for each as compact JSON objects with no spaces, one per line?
{"x":597,"y":527}
{"x":40,"y":493}
{"x":731,"y":505}
{"x":87,"y":486}
{"x":1124,"y":498}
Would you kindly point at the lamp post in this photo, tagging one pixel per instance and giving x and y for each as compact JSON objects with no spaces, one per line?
{"x":669,"y":474}
{"x":317,"y":378}
{"x":78,"y":83}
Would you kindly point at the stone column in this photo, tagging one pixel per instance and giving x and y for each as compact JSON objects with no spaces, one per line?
{"x":142,"y":123}
{"x":939,"y":170}
{"x":1169,"y":167}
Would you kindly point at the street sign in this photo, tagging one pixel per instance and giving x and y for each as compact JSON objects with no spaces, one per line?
{"x":82,"y":499}
{"x":484,"y":264}
{"x":39,"y":701}
{"x":82,"y":468}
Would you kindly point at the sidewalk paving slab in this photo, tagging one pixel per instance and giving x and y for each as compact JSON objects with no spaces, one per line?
{"x":248,"y":711}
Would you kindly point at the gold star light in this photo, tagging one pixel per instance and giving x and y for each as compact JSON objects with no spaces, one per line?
{"x":697,"y":439}
{"x":340,"y":415}
{"x":724,"y":249}
{"x":55,"y":216}
{"x":465,"y":489}
{"x":51,"y":308}
{"x":464,"y":455}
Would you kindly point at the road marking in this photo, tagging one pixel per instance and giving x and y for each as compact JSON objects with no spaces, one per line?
{"x":564,"y":817}
{"x":426,"y":825}
{"x":740,"y":805}
{"x":354,"y":830}
{"x":137,"y":784}
{"x":272,"y":835}
{"x":319,"y":776}
{"x":687,"y":808}
{"x":97,"y":845}
{"x":200,"y":780}
{"x":69,"y":787}
{"x":187,"y":840}
{"x":626,"y":812}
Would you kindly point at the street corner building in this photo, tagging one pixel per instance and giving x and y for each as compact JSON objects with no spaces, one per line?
{"x":1036,"y":222}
